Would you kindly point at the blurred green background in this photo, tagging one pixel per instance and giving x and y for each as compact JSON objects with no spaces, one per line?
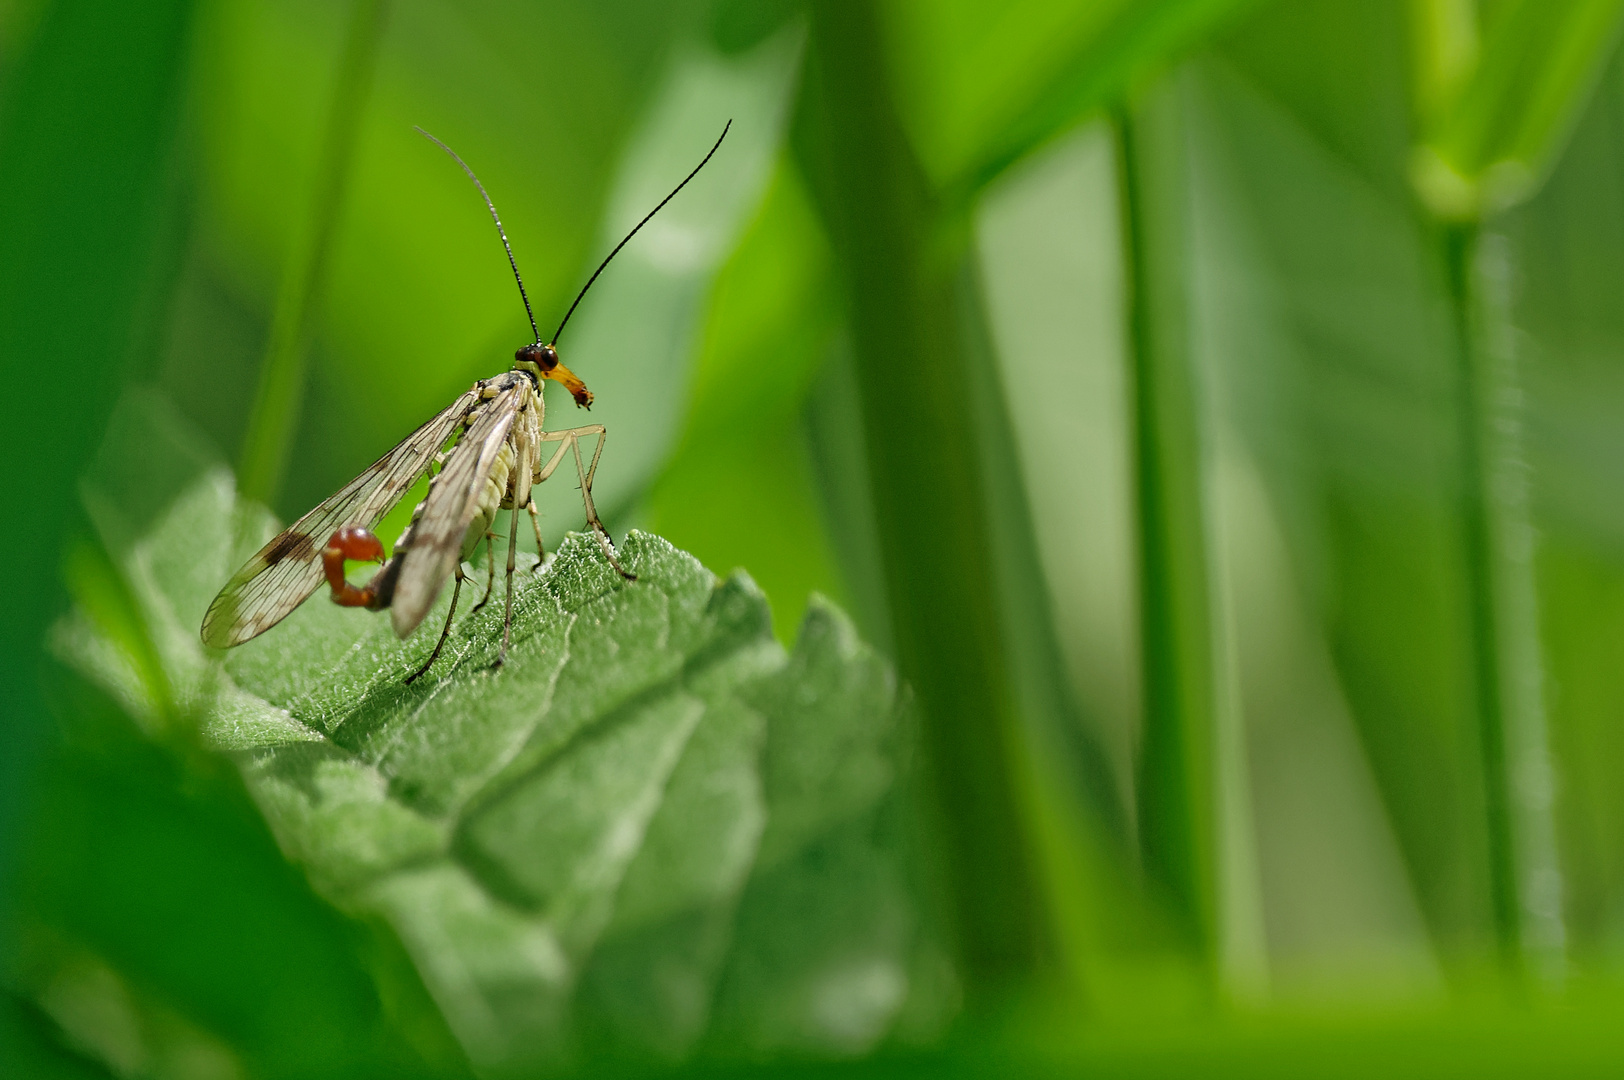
{"x":1211,"y":407}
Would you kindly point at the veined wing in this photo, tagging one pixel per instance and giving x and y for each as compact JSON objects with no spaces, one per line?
{"x":436,"y":541}
{"x":288,"y":569}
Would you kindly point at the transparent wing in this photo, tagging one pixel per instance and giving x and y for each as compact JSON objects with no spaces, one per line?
{"x":288,"y":569}
{"x":436,"y":541}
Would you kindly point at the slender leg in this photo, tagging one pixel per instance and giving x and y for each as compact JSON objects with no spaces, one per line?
{"x":490,"y":572}
{"x":592,"y":511}
{"x":507,"y":618}
{"x":445,"y":631}
{"x":535,"y":523}
{"x":558,"y":455}
{"x":571,"y":440}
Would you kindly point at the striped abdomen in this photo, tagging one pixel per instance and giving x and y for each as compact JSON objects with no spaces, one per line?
{"x":491,"y":497}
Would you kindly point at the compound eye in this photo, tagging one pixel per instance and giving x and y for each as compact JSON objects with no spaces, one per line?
{"x":547,"y":357}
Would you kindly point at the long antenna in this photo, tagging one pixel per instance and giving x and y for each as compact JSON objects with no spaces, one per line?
{"x":499,"y":230}
{"x":631,"y":234}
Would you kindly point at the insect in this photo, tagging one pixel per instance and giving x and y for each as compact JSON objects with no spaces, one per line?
{"x":483,"y":453}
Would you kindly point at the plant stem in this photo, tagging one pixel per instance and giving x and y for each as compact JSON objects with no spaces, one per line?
{"x":1473,"y":396}
{"x":926,"y":481}
{"x":274,"y":419}
{"x":1175,"y":786}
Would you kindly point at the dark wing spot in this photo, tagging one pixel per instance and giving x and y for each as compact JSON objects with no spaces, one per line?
{"x":289,"y":543}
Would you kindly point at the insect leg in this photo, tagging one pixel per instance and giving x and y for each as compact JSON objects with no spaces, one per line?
{"x":558,"y":455}
{"x":592,"y":511}
{"x":535,"y":523}
{"x":507,"y":618}
{"x":445,"y":631}
{"x":490,"y":572}
{"x":570,"y":439}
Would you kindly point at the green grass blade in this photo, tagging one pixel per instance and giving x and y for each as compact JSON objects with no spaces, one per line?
{"x":1175,"y":787}
{"x":1072,"y":808}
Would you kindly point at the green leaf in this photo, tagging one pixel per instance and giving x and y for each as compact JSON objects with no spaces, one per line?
{"x":981,"y":85}
{"x":599,"y":844}
{"x":1494,"y":139}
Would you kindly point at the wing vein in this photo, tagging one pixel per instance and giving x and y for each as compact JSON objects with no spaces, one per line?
{"x":283,"y":573}
{"x":436,"y":538}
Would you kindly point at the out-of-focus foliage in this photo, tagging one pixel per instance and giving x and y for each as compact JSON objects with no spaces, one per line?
{"x":1496,"y":103}
{"x":981,"y":85}
{"x":1208,"y":406}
